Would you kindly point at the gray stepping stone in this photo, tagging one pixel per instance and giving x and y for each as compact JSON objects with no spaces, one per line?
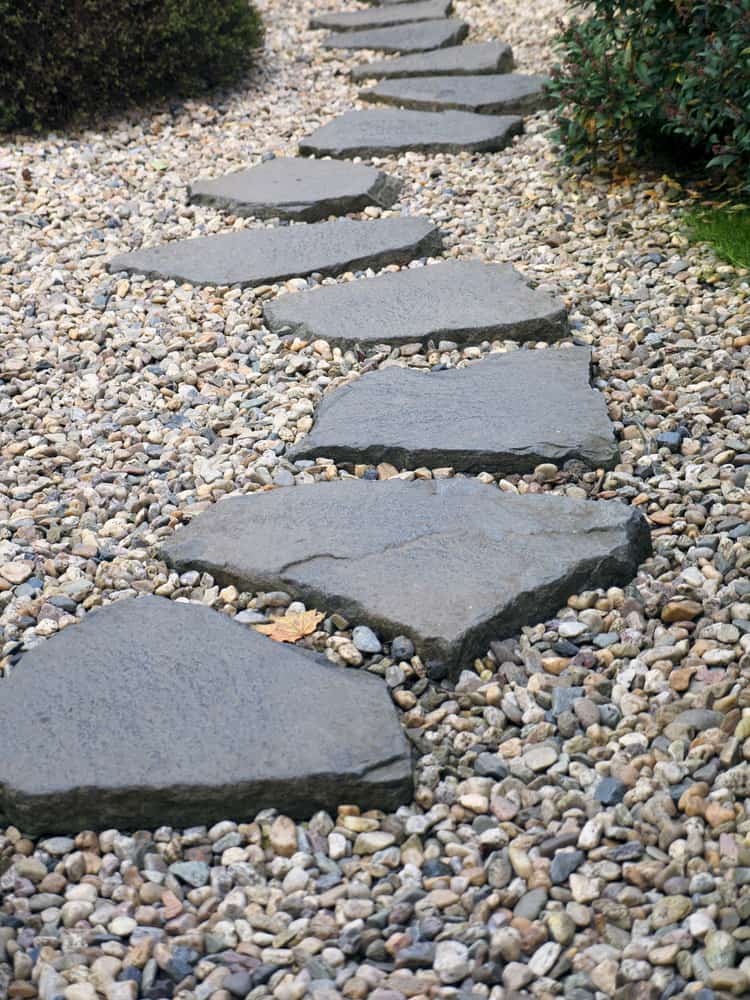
{"x":451,"y":564}
{"x":463,"y":301}
{"x":300,"y":189}
{"x":264,"y":256}
{"x":390,"y":132}
{"x":383,"y":17}
{"x":504,"y":414}
{"x":154,"y":712}
{"x":421,"y":37}
{"x":506,"y":93}
{"x":458,"y":60}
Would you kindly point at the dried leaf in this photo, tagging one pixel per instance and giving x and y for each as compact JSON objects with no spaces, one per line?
{"x":292,"y":627}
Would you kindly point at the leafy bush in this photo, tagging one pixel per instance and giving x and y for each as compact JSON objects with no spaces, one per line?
{"x":639,"y":74}
{"x":59,"y":58}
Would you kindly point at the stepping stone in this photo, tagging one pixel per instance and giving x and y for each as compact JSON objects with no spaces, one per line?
{"x":463,"y":301}
{"x":452,"y":564}
{"x":507,"y":413}
{"x":386,"y":133}
{"x":458,"y":60}
{"x":506,"y":93}
{"x":421,"y":37}
{"x":299,"y":189}
{"x":154,"y":712}
{"x":384,"y":17}
{"x":265,"y":256}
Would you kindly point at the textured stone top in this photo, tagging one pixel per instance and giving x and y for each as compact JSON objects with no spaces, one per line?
{"x":263,"y":256}
{"x":502,"y":93}
{"x":463,"y":301}
{"x":450,"y":563}
{"x":383,"y":17}
{"x":481,"y":57}
{"x":507,"y":413}
{"x":387,"y":132}
{"x":421,"y":37}
{"x":295,"y":188}
{"x":154,"y":712}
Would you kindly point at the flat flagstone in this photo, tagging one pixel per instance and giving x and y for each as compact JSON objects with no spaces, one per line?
{"x":457,"y":60}
{"x":383,"y":17}
{"x":507,"y":413}
{"x":264,"y":256}
{"x":295,"y":188}
{"x":505,"y":93}
{"x":463,"y":301}
{"x":452,"y":564}
{"x":405,"y":38}
{"x":154,"y":712}
{"x":390,"y":132}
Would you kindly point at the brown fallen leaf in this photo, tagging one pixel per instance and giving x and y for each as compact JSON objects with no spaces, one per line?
{"x":293,"y":626}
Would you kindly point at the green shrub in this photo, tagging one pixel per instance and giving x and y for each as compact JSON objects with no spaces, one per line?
{"x":62,"y":58}
{"x":667,"y":74}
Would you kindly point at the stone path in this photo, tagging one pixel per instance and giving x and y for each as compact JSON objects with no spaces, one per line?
{"x":403,"y":38}
{"x":265,"y":723}
{"x":451,"y":564}
{"x":479,"y":58}
{"x":440,"y":567}
{"x":303,"y":190}
{"x":503,"y":94}
{"x":260,"y":256}
{"x":388,"y":133}
{"x":463,"y":302}
{"x":384,"y":17}
{"x":508,"y":413}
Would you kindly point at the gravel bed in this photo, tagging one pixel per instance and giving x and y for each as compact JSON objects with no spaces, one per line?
{"x":580,"y":825}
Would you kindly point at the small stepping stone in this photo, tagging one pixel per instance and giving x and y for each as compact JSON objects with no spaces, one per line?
{"x":451,"y":564}
{"x":506,"y":93}
{"x":298,"y":189}
{"x":421,"y":37}
{"x":155,"y":712}
{"x":458,"y":60}
{"x":463,"y":301}
{"x":386,"y":133}
{"x":383,"y":17}
{"x":507,"y":413}
{"x":265,"y":256}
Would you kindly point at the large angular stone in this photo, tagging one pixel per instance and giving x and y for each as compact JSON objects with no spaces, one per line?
{"x":390,"y":132}
{"x":505,"y":414}
{"x":405,"y":38}
{"x":263,"y":256}
{"x":500,"y":94}
{"x":452,"y":564}
{"x":301,"y":189}
{"x":463,"y":301}
{"x":457,"y":60}
{"x":153,"y":712}
{"x":383,"y":17}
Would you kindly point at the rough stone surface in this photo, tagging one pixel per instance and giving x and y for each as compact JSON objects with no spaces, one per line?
{"x":506,"y":414}
{"x":386,"y":132}
{"x":383,"y":17}
{"x":499,"y":94}
{"x":262,"y":256}
{"x":461,"y":301}
{"x":451,"y":563}
{"x":220,"y":721}
{"x":481,"y":57}
{"x":300,"y":189}
{"x":403,"y":38}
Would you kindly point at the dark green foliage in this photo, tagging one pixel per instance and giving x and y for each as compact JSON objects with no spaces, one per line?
{"x":670,"y":75}
{"x":61,"y":58}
